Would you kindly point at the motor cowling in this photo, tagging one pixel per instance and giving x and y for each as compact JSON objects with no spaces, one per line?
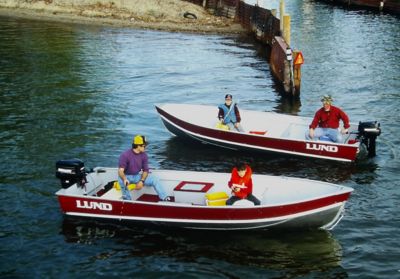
{"x":70,"y":172}
{"x":367,"y":133}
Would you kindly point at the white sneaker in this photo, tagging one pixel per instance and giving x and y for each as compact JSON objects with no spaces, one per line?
{"x":167,"y":199}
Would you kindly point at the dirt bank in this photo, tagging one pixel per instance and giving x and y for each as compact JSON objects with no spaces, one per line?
{"x":145,"y":14}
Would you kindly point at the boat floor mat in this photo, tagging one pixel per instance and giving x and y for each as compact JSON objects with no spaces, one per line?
{"x":150,"y":198}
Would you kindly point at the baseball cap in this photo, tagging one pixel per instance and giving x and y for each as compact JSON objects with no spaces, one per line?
{"x":327,"y":99}
{"x":139,"y":140}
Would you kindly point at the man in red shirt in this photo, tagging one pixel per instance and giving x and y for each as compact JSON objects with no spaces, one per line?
{"x":241,"y":185}
{"x":326,"y":122}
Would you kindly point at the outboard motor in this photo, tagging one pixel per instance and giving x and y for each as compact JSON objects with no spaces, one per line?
{"x":71,"y":172}
{"x":367,"y":133}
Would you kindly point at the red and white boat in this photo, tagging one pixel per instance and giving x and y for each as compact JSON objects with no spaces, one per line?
{"x":285,"y":202}
{"x":266,"y":131}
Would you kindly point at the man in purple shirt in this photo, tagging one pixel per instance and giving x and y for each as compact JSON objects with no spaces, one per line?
{"x":133,"y":167}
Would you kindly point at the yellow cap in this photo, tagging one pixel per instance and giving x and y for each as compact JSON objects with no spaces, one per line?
{"x":139,"y":139}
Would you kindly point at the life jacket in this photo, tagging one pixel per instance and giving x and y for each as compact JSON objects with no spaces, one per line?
{"x":245,"y":180}
{"x":229,"y":116}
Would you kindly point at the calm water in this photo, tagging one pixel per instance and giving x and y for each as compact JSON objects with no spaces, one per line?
{"x":82,"y":91}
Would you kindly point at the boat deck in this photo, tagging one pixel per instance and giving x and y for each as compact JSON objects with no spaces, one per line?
{"x":276,"y":190}
{"x":114,"y":194}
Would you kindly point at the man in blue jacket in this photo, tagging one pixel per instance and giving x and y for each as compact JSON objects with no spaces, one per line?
{"x":228,"y":114}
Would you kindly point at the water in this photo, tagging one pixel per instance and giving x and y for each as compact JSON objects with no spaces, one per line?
{"x":83,"y":91}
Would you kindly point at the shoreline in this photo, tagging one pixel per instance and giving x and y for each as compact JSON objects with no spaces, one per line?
{"x":102,"y":15}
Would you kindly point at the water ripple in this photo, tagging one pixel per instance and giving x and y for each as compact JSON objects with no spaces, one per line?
{"x":71,"y":91}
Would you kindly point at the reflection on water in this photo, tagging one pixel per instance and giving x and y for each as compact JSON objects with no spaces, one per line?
{"x":288,"y":105}
{"x":295,"y":252}
{"x":205,"y":156}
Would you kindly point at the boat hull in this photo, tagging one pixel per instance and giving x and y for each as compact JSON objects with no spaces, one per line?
{"x":246,"y":141}
{"x":321,"y":213}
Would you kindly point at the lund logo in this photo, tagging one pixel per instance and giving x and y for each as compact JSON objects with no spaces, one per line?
{"x":321,"y":147}
{"x":93,"y":205}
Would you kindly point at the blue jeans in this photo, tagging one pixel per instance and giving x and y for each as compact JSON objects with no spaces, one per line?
{"x":151,"y":181}
{"x":233,"y":128}
{"x":332,"y":134}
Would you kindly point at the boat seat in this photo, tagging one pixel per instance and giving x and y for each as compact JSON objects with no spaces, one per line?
{"x":116,"y":194}
{"x":295,"y":131}
{"x":112,"y":194}
{"x":136,"y":194}
{"x":243,"y":202}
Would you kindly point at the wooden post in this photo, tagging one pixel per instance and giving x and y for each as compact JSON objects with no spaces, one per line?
{"x":286,"y":28}
{"x":297,"y":79}
{"x":281,"y":13}
{"x":381,"y":4}
{"x":297,"y":75}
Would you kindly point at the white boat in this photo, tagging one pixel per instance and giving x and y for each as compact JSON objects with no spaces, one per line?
{"x":198,"y":200}
{"x":266,"y":131}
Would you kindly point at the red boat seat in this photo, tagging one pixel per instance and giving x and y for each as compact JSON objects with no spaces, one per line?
{"x":258,"y":132}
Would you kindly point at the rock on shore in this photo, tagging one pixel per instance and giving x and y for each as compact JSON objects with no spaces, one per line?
{"x":148,"y":14}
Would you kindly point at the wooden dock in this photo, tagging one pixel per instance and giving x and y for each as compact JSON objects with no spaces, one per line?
{"x":267,"y":29}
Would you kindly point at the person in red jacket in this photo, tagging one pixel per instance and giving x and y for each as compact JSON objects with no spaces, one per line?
{"x":241,"y":185}
{"x":326,"y":122}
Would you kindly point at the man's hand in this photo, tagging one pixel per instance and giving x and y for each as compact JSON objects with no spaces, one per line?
{"x":311,"y":133}
{"x":139,"y":185}
{"x":236,"y":187}
{"x":344,"y":131}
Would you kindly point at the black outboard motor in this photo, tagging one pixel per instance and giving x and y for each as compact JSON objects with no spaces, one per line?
{"x":367,"y":133}
{"x":71,"y":172}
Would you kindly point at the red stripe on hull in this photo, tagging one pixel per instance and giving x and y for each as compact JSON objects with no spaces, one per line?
{"x":95,"y":206}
